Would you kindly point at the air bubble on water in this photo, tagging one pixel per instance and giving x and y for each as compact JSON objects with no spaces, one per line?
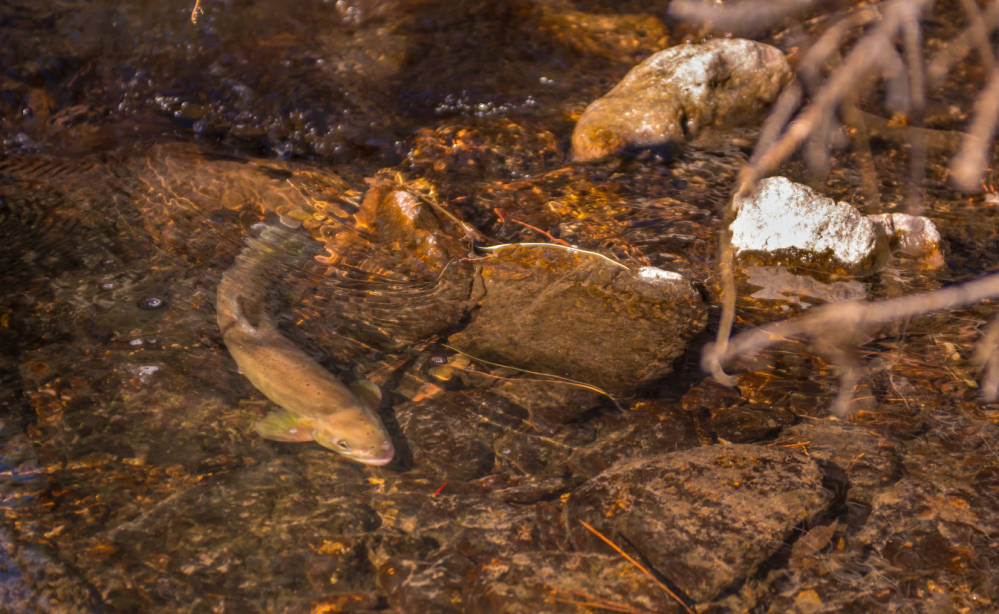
{"x":152,"y":302}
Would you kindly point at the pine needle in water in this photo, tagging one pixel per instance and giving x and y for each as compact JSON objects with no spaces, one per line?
{"x":638,"y":565}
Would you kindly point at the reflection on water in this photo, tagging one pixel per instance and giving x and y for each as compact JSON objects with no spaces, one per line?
{"x":139,"y":153}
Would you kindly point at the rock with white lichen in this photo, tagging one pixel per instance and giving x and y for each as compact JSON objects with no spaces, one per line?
{"x":783,"y":218}
{"x":783,"y":215}
{"x":677,"y":92}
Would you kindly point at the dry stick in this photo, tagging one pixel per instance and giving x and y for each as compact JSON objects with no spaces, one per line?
{"x":859,"y":63}
{"x":968,"y":166}
{"x":913,"y":45}
{"x":782,"y":111}
{"x":849,"y":316}
{"x":850,"y":372}
{"x":978,"y":32}
{"x":866,"y":56}
{"x":896,"y":78}
{"x":986,"y":357}
{"x":809,"y":68}
{"x":726,"y":276}
{"x":636,"y":564}
{"x":959,"y":46}
{"x":738,"y":17}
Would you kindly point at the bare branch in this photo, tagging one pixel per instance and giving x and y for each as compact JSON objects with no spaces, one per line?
{"x":740,"y":18}
{"x":986,"y":358}
{"x":873,"y":53}
{"x":980,"y":28}
{"x":968,"y":166}
{"x":839,"y":323}
{"x":913,"y":44}
{"x":978,"y":34}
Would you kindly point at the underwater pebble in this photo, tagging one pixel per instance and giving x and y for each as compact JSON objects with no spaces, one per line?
{"x":679,"y":91}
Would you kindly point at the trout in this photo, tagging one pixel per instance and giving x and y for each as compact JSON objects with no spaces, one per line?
{"x":315,"y":405}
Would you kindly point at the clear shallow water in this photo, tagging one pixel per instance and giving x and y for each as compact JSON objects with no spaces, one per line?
{"x":140,"y":150}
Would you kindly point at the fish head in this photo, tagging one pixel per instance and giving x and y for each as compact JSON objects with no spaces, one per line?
{"x":363,"y":439}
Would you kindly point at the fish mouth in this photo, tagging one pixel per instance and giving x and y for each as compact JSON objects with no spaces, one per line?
{"x":383,"y":456}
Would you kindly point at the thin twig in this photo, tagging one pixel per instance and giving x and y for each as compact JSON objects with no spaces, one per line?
{"x":833,"y":323}
{"x":959,"y":46}
{"x":548,"y":377}
{"x":594,"y":601}
{"x":968,"y":166}
{"x":986,"y":358}
{"x":744,"y":17}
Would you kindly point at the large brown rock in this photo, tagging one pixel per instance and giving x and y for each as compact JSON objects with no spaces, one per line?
{"x":679,"y":91}
{"x":705,"y":518}
{"x":581,"y":315}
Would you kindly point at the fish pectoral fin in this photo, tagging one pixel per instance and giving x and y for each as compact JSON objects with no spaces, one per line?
{"x":368,"y":393}
{"x":284,"y":426}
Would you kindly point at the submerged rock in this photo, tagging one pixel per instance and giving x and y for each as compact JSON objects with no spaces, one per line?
{"x":934,"y":529}
{"x":866,"y":460}
{"x":678,"y":92}
{"x":704,"y":518}
{"x":580,"y":315}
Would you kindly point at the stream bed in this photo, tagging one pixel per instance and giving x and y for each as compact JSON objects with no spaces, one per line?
{"x":538,"y":362}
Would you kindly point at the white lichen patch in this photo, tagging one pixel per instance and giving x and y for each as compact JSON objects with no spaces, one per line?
{"x":655,"y":276}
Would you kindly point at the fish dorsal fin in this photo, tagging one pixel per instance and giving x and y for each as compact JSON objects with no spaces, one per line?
{"x":367,"y":393}
{"x":284,"y":426}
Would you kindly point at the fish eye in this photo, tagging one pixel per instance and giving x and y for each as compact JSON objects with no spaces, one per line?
{"x":343,"y":444}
